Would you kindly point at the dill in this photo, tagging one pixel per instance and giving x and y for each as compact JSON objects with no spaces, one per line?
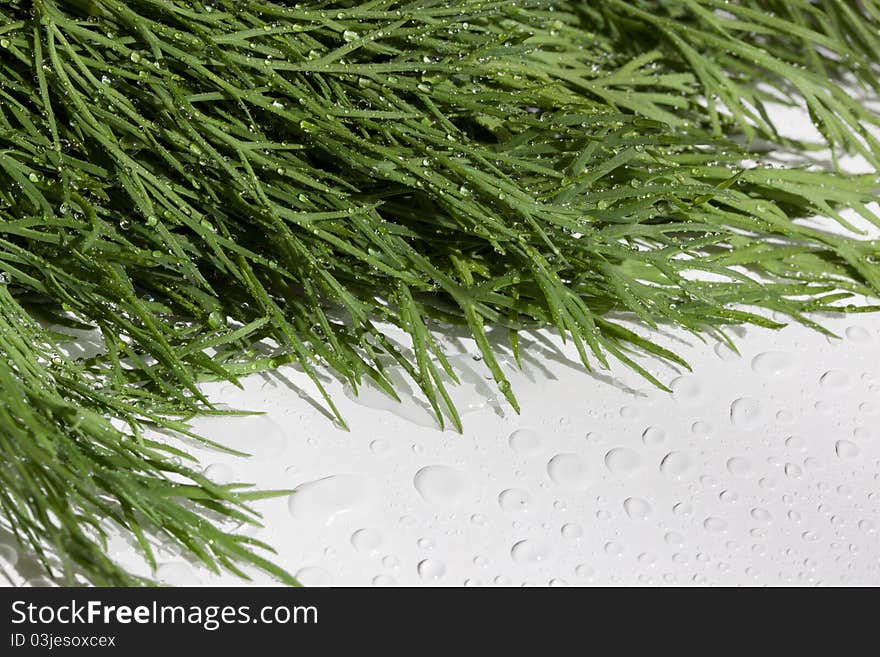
{"x":194,"y":181}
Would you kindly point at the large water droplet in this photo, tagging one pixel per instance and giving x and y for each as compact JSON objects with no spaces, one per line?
{"x":746,"y":413}
{"x":313,"y":576}
{"x":739,"y":466}
{"x":653,"y":437}
{"x":441,"y":485}
{"x":324,"y":500}
{"x":367,"y":541}
{"x":858,"y":334}
{"x":525,"y":441}
{"x":773,"y":363}
{"x":431,"y":570}
{"x":515,"y":500}
{"x":569,"y":470}
{"x":687,"y":390}
{"x":846,"y":449}
{"x":530,"y":551}
{"x":676,"y":465}
{"x":835,"y":381}
{"x":623,"y":462}
{"x":637,"y":508}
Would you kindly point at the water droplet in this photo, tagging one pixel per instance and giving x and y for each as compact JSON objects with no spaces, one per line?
{"x":525,"y":441}
{"x":614,"y":549}
{"x":515,"y":500}
{"x":653,"y":436}
{"x":686,"y":390}
{"x":379,"y":446}
{"x":530,"y":552}
{"x":835,"y":380}
{"x":739,"y":466}
{"x":367,"y":541}
{"x":313,"y":576}
{"x":773,"y":363}
{"x":623,"y":462}
{"x":715,"y":525}
{"x":701,"y":430}
{"x":431,"y":570}
{"x":637,"y":508}
{"x":761,"y":515}
{"x":441,"y":485}
{"x":324,"y":500}
{"x":793,"y":471}
{"x":425,"y":543}
{"x":676,"y":464}
{"x":384,"y":580}
{"x":858,"y":334}
{"x":795,"y":442}
{"x":846,"y":449}
{"x":746,"y":413}
{"x":572,"y":531}
{"x":584,"y":571}
{"x":569,"y":470}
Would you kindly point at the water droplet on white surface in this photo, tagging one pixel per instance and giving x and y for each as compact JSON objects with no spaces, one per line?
{"x":676,"y":465}
{"x":715,"y":525}
{"x":572,"y":531}
{"x":313,"y":576}
{"x":858,"y":334}
{"x":746,"y":413}
{"x":761,"y":515}
{"x":653,"y":436}
{"x":623,"y":462}
{"x":367,"y":541}
{"x":384,"y":580}
{"x":425,"y":543}
{"x":614,"y":549}
{"x":379,"y":446}
{"x":431,"y":570}
{"x":326,"y":499}
{"x":795,"y":442}
{"x":793,"y":470}
{"x":525,"y":441}
{"x":846,"y":449}
{"x":530,"y":552}
{"x":569,"y":470}
{"x":515,"y":500}
{"x":835,"y":380}
{"x":441,"y":485}
{"x":739,"y":466}
{"x":637,"y":508}
{"x":687,"y":390}
{"x":584,"y":571}
{"x":773,"y":363}
{"x":701,"y":430}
